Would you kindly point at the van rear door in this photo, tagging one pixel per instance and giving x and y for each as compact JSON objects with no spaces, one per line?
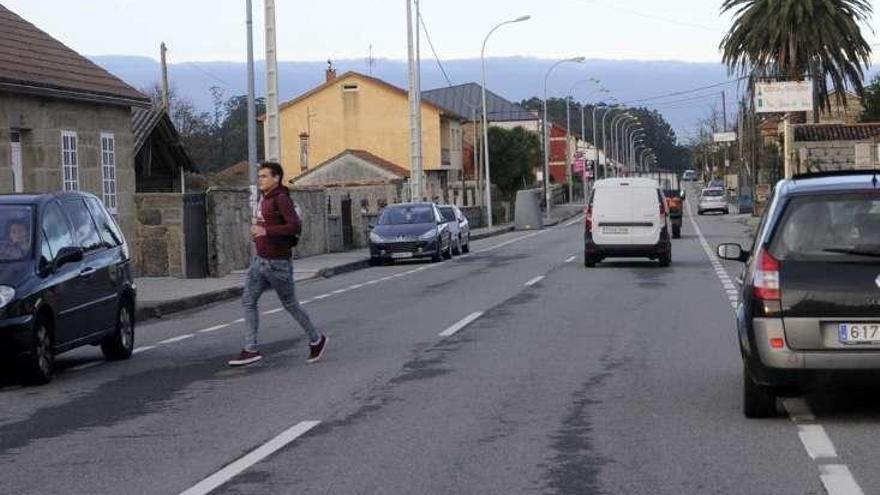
{"x":612,"y":216}
{"x":646,"y":216}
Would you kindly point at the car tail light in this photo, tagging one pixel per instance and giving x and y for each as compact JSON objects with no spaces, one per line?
{"x":777,"y":343}
{"x":766,"y":279}
{"x":662,"y":212}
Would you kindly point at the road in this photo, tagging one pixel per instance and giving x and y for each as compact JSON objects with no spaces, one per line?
{"x":511,"y":370}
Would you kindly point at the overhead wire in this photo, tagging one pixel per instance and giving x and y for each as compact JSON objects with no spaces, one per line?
{"x":434,"y":51}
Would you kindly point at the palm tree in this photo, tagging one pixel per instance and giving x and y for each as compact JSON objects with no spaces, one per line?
{"x":794,"y":39}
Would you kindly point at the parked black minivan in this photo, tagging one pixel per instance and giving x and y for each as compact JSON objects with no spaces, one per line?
{"x":65,"y":281}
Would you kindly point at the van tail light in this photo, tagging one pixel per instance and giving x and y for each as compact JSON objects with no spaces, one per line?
{"x":663,"y":212}
{"x":588,"y":225}
{"x":765,"y":282}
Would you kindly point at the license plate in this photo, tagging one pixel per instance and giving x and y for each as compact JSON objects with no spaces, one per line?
{"x":398,"y":256}
{"x":859,"y":333}
{"x":615,"y":230}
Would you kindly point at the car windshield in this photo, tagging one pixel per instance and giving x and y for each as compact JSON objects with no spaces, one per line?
{"x":832,"y":228}
{"x":713,"y":193}
{"x":406,"y":215}
{"x":16,"y":232}
{"x":448,"y":213}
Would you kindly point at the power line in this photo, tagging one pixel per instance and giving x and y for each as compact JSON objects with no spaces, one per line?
{"x":209,"y":74}
{"x":434,"y":51}
{"x":689,"y":91}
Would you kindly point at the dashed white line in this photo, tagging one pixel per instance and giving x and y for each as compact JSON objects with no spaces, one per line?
{"x":145,"y":348}
{"x":798,"y":410}
{"x":534,"y":281}
{"x":816,"y":442}
{"x":176,"y":339}
{"x":86,"y":366}
{"x":569,"y":260}
{"x":322,"y":296}
{"x":467,"y":320}
{"x":838,"y":480}
{"x":217,"y":479}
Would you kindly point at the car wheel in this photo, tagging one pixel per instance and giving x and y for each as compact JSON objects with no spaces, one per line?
{"x":676,"y":232}
{"x":666,"y":259}
{"x":759,"y":401}
{"x":448,"y":253}
{"x":589,"y":261}
{"x":38,"y":367}
{"x":438,"y":254}
{"x":118,"y":346}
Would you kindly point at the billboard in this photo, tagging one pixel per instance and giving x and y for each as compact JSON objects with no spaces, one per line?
{"x":725,"y":137}
{"x":787,"y":96}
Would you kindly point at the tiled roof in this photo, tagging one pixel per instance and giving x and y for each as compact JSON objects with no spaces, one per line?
{"x":31,"y":58}
{"x":463,"y":98}
{"x":372,"y":79}
{"x":365,"y":156}
{"x":146,"y":121}
{"x":836,"y":132}
{"x":143,"y":121}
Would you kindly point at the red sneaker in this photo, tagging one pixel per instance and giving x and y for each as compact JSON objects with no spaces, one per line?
{"x":246,"y":358}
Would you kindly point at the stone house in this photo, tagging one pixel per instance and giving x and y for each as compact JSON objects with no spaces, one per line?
{"x":830,"y":147}
{"x":65,"y":123}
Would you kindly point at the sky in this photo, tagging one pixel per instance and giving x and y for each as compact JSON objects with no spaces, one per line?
{"x":215,"y":30}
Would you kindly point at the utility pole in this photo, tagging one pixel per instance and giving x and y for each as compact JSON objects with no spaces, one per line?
{"x":163,"y":50}
{"x":273,"y":127}
{"x":568,"y":174}
{"x":251,"y":110}
{"x":414,"y":110}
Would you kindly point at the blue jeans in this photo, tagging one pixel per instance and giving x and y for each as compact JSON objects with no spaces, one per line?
{"x":277,"y":274}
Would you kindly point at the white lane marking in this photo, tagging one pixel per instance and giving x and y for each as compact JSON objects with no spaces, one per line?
{"x":534,"y":281}
{"x":339,"y":291}
{"x":322,"y":296}
{"x":176,"y":339}
{"x":216,"y":327}
{"x":273,"y":311}
{"x":145,"y":348}
{"x":307,"y":301}
{"x":577,"y":219}
{"x":507,"y":243}
{"x":356,"y":286}
{"x":467,"y":320}
{"x":798,"y":410}
{"x":219,"y":478}
{"x":816,"y":442}
{"x":86,"y":366}
{"x":838,"y":480}
{"x":569,"y":260}
{"x":240,"y":320}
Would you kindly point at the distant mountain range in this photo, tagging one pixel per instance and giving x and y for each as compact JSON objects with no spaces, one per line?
{"x":514,"y":78}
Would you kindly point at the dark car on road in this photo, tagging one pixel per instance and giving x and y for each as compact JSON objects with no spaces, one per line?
{"x":65,"y":281}
{"x":811,"y":287}
{"x":410,"y":230}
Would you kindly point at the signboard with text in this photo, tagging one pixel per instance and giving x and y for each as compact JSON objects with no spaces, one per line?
{"x":724,"y":137}
{"x":787,"y":96}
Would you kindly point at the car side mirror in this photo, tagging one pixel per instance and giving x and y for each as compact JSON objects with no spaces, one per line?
{"x":732,"y":252}
{"x":69,"y":254}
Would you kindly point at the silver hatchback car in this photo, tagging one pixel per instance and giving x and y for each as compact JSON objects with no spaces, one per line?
{"x":713,"y":199}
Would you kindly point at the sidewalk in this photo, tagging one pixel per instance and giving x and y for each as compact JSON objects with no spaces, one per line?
{"x":159,"y":297}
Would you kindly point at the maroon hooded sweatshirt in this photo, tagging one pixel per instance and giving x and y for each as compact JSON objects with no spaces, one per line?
{"x":281,"y":222}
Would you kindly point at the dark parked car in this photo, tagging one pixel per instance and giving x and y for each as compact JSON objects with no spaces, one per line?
{"x":811,"y":287}
{"x":410,"y":230}
{"x":459,"y":227}
{"x":65,"y":281}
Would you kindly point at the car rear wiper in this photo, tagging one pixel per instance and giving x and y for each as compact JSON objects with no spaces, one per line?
{"x":857,"y":252}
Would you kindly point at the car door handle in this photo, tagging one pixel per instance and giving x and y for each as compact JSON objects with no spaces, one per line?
{"x":740,"y":279}
{"x":87,"y":272}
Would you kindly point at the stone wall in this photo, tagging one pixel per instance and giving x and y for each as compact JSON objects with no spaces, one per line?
{"x":228,"y":230}
{"x":365,"y":200}
{"x":158,"y":251}
{"x":42,"y":120}
{"x":312,"y":203}
{"x":835,"y":155}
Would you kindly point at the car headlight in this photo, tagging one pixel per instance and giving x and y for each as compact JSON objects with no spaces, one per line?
{"x":6,"y":295}
{"x":429,"y":235}
{"x":374,"y":237}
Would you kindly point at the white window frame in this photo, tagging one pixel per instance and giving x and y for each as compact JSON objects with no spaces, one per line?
{"x":108,"y":172}
{"x":69,"y":161}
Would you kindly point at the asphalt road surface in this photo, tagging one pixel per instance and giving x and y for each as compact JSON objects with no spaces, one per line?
{"x":511,"y":370}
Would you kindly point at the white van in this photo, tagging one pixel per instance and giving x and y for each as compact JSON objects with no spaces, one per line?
{"x":627,"y":217}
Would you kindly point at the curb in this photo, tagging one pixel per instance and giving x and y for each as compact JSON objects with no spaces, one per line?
{"x":486,"y":235}
{"x":163,"y":309}
{"x":566,"y":218}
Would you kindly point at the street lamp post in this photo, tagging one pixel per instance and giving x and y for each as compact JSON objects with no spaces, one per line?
{"x":485,"y":118}
{"x":617,"y":119}
{"x":546,"y":132}
{"x":595,"y":133}
{"x":605,"y":142}
{"x":628,"y":129}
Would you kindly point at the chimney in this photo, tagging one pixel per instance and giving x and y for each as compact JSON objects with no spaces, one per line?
{"x":330,"y":72}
